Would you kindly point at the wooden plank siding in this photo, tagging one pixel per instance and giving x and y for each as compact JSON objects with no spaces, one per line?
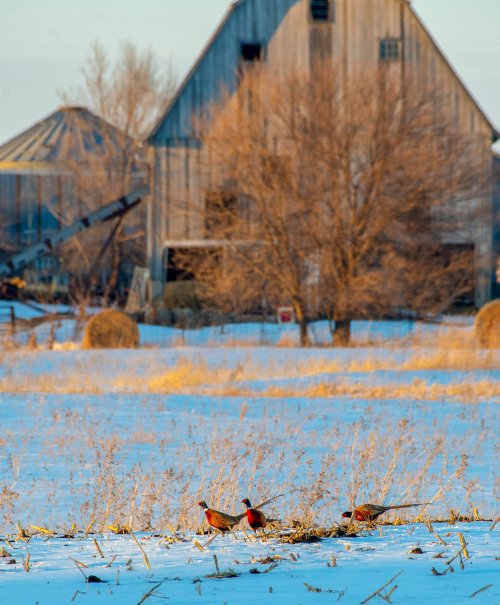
{"x":290,"y":40}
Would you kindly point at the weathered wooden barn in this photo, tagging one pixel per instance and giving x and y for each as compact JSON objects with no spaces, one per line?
{"x":286,"y":35}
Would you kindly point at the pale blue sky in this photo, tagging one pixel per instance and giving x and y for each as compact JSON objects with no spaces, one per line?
{"x":44,"y":43}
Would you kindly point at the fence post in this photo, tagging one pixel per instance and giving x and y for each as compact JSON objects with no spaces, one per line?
{"x":12,"y":319}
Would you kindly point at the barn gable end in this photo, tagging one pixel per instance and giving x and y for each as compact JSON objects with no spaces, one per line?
{"x":288,"y":35}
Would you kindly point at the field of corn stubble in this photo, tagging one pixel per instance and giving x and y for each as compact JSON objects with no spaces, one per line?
{"x":108,"y":441}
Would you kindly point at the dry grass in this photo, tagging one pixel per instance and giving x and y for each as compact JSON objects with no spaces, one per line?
{"x":417,"y":390}
{"x":350,"y":376}
{"x":466,"y":360}
{"x":191,"y":377}
{"x":444,"y":337}
{"x":186,"y":374}
{"x":71,"y":385}
{"x":453,"y":359}
{"x":150,"y":473}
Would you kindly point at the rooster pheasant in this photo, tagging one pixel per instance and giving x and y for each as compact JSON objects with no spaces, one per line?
{"x":221,"y":521}
{"x":369,"y":512}
{"x":256,"y":518}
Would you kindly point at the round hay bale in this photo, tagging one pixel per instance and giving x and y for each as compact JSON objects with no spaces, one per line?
{"x":487,"y":325}
{"x":110,"y":329}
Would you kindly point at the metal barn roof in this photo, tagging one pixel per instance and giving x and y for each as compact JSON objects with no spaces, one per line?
{"x":68,"y":133}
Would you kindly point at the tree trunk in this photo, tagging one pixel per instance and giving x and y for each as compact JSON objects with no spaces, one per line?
{"x":342,"y":333}
{"x":302,"y":321}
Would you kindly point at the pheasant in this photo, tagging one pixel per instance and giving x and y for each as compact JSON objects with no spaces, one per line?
{"x":221,"y":521}
{"x":256,"y":518}
{"x":369,"y":512}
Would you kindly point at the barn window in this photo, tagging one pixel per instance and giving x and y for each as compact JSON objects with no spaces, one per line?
{"x":321,"y":10}
{"x":251,"y":52}
{"x":389,"y":49}
{"x":176,"y":261}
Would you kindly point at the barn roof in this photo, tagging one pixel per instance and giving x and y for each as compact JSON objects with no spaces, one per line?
{"x":193,"y":69}
{"x":68,"y":133}
{"x":225,"y":19}
{"x":186,"y":87}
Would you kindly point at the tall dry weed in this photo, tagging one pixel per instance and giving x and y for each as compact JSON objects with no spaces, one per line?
{"x":148,"y":473}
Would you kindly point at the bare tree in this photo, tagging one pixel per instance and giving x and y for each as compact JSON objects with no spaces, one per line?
{"x":344,"y":198}
{"x":395,"y":187}
{"x":107,"y":158}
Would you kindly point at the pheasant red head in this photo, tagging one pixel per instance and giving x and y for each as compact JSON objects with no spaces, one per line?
{"x":203,"y":504}
{"x":347,"y":513}
{"x":246,"y":502}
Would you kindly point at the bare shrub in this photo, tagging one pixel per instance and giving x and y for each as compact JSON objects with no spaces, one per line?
{"x":181,"y":295}
{"x":128,"y":96}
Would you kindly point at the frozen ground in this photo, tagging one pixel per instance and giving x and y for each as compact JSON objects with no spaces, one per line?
{"x":84,"y":438}
{"x":363,"y":565}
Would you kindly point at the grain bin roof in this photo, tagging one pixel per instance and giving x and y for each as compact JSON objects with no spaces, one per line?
{"x":68,"y":133}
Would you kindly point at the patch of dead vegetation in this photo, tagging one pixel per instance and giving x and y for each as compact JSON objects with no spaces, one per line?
{"x":417,"y":390}
{"x":332,"y":378}
{"x":47,"y":383}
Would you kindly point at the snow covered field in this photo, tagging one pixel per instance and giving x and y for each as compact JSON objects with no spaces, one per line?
{"x":66,"y":330}
{"x":136,"y":438}
{"x":363,"y":565}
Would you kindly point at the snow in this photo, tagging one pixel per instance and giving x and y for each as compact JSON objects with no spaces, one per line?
{"x":80,"y":428}
{"x":363,"y":565}
{"x":248,"y":334}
